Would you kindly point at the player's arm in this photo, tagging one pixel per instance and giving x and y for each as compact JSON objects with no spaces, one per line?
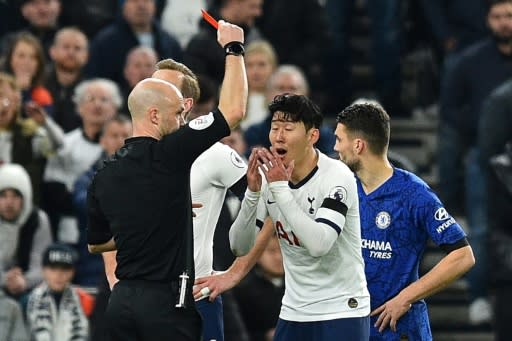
{"x":242,"y":233}
{"x":240,"y":267}
{"x":316,"y":235}
{"x":233,"y":93}
{"x":456,"y":263}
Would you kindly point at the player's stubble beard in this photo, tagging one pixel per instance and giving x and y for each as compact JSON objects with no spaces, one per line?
{"x":353,"y":165}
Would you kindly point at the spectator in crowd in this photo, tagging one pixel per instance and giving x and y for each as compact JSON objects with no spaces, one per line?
{"x":24,"y":232}
{"x":401,"y":213}
{"x":26,"y":62}
{"x":259,"y":294}
{"x":298,"y":30}
{"x":181,"y":19}
{"x":10,"y":19}
{"x":140,"y":64}
{"x":481,"y":68}
{"x":27,"y":142}
{"x":386,"y":33}
{"x":89,"y":268}
{"x":55,"y":310}
{"x":260,"y":62}
{"x":494,"y":131}
{"x":69,"y":54}
{"x":97,"y":101}
{"x":136,"y":26}
{"x":203,"y":55}
{"x":90,"y":16}
{"x":286,"y":79}
{"x":12,"y":324}
{"x":455,"y":24}
{"x":41,"y":19}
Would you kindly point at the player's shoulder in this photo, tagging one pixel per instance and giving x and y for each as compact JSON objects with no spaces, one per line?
{"x":333,"y":167}
{"x":406,"y":179}
{"x":413,"y":189}
{"x":221,"y":154}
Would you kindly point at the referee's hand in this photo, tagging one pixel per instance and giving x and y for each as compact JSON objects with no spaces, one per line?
{"x":228,"y":32}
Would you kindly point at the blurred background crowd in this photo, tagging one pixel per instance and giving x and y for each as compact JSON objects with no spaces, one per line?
{"x":441,"y":68}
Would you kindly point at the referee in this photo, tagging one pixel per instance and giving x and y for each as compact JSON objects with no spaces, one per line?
{"x":139,"y":203}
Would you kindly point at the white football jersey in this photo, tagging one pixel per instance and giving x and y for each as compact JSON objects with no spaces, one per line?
{"x":331,"y":286}
{"x":212,"y":174}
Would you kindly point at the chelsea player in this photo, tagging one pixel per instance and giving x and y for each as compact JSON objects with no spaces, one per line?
{"x":399,"y":213}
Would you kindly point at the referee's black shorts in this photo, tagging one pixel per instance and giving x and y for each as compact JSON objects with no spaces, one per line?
{"x":145,"y":311}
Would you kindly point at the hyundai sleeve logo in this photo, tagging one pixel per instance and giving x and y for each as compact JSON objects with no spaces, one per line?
{"x":441,"y":214}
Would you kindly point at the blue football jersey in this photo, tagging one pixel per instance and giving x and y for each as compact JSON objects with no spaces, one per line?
{"x":397,"y":219}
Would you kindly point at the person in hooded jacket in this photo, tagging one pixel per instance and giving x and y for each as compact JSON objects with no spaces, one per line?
{"x":24,"y":232}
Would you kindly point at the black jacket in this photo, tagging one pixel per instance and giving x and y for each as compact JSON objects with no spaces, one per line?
{"x":111,"y":46}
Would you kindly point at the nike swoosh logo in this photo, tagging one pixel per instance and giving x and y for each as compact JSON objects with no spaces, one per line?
{"x":270,"y":202}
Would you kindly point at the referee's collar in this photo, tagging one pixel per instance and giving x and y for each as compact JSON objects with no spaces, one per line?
{"x":139,"y":138}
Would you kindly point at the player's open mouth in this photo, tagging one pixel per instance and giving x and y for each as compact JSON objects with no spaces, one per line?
{"x":281,"y":151}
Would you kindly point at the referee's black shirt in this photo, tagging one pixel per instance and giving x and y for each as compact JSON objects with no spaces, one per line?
{"x":141,"y":197}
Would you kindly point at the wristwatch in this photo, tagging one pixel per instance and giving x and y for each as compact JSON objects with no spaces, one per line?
{"x":234,"y":48}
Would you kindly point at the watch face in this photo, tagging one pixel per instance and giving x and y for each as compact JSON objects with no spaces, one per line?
{"x":236,"y":48}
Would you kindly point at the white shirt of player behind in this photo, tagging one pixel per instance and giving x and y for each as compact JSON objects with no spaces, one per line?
{"x":334,"y":285}
{"x":211,"y":175}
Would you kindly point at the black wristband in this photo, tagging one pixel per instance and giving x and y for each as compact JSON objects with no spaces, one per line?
{"x":234,"y":48}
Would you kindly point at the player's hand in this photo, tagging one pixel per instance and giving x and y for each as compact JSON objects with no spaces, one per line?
{"x":216,"y":283}
{"x":253,"y":175}
{"x":390,"y":312}
{"x":228,"y":32}
{"x":273,"y":167}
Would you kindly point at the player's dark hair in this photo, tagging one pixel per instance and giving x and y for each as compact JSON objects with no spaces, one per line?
{"x":297,"y":108}
{"x":368,"y":121}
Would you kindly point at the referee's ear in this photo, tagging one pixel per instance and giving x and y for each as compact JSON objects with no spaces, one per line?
{"x":154,"y":115}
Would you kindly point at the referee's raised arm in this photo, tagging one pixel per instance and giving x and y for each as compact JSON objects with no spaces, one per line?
{"x":233,"y":93}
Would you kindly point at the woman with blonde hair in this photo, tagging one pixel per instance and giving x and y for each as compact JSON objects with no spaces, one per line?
{"x":260,"y":62}
{"x":27,"y":142}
